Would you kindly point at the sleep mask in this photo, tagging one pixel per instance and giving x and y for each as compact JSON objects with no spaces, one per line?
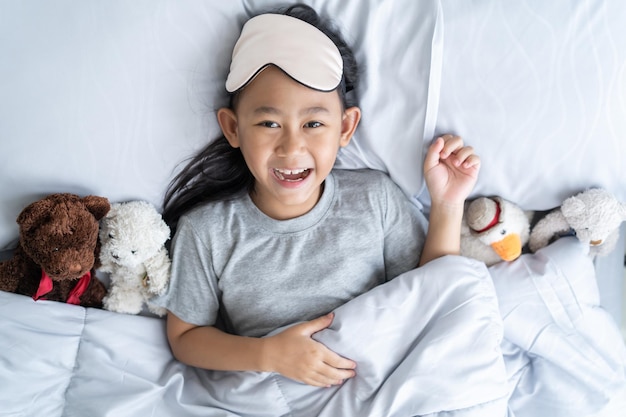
{"x":299,"y":49}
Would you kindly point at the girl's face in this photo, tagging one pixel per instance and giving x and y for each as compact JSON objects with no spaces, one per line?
{"x":289,"y":136}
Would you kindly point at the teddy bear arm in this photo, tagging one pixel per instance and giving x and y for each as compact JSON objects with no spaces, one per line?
{"x":122,"y":300}
{"x":10,"y":274}
{"x":551,"y":225}
{"x":159,"y":311}
{"x":158,"y":271}
{"x":20,"y":274}
{"x":120,"y":275}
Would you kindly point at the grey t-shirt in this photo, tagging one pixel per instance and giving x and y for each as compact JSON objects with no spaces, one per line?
{"x":257,"y":274}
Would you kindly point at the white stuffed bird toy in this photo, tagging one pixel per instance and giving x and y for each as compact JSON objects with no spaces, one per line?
{"x":593,"y":216}
{"x":132,"y":237}
{"x":494,"y":230}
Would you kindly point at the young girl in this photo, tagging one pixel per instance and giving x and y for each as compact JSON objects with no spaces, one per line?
{"x":269,"y":238}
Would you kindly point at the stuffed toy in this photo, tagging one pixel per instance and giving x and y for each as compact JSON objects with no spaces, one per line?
{"x":494,"y":230}
{"x":133,"y":236}
{"x":593,"y":216}
{"x":56,"y":254}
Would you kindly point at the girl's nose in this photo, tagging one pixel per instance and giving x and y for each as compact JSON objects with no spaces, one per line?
{"x":291,"y":143}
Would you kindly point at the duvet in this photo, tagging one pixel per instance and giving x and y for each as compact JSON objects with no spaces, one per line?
{"x":452,"y":338}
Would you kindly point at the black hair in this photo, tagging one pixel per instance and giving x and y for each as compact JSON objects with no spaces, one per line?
{"x":219,"y":171}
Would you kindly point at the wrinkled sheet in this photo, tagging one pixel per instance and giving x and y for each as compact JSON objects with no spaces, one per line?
{"x":564,"y":353}
{"x":448,"y":339}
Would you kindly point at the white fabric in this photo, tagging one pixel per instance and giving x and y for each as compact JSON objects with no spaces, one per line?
{"x":426,"y":322}
{"x":558,"y":339}
{"x":426,"y":342}
{"x":538,"y":89}
{"x":560,"y":355}
{"x":276,"y":39}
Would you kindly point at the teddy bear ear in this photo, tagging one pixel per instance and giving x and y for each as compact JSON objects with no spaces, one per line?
{"x":33,"y":212}
{"x":115,"y":208}
{"x":573,"y":206}
{"x":98,"y":206}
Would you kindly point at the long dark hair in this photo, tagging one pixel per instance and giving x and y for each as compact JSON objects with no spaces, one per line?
{"x":219,"y":171}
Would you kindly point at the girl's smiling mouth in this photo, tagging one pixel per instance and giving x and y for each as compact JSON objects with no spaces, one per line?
{"x":291,"y":175}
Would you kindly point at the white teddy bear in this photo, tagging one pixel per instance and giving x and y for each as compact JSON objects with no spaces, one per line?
{"x":593,"y":216}
{"x":132,"y":237}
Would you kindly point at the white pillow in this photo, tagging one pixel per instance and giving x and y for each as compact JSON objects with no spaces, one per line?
{"x":107,"y":98}
{"x":399,"y":47}
{"x":539,"y":89}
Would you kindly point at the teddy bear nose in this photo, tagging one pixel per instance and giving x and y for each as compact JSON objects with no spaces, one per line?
{"x":74,"y":268}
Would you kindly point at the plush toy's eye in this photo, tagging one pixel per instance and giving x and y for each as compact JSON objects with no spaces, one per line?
{"x":133,"y":252}
{"x":55,"y":249}
{"x":111,"y":236}
{"x":503,"y":232}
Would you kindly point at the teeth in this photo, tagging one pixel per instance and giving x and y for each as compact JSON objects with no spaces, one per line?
{"x":284,"y":174}
{"x":290,"y":171}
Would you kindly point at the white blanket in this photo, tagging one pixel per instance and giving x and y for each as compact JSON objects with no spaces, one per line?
{"x":565,"y":356}
{"x":428,"y":343}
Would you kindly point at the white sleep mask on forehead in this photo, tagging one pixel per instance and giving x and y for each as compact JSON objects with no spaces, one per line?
{"x":301,"y":50}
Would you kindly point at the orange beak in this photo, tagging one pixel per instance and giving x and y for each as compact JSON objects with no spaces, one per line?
{"x":509,"y":248}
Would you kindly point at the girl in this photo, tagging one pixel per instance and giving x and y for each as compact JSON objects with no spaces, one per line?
{"x":269,"y":238}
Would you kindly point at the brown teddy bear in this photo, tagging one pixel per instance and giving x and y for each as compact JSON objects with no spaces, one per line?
{"x":57,"y":251}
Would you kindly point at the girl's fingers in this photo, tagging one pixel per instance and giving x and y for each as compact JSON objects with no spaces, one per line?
{"x":461,"y":155}
{"x":329,"y":375}
{"x":316,"y":325}
{"x":433,"y":154}
{"x":345,"y":366}
{"x":473,"y":161}
{"x":452,"y":144}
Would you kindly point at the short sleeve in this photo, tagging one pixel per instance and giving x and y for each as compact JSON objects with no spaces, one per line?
{"x":405,"y":232}
{"x":192,"y":294}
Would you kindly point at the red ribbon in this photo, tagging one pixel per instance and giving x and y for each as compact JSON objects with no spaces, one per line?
{"x":46,"y":284}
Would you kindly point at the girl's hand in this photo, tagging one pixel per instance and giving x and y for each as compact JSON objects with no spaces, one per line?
{"x":294,"y":354}
{"x":450,"y":170}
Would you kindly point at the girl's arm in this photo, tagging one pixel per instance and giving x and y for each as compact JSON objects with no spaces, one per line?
{"x":450,"y":171}
{"x":292,"y":353}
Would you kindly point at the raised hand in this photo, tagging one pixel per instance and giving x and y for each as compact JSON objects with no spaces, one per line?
{"x":450,"y":170}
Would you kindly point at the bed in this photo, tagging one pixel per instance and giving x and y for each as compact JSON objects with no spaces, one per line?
{"x":106,"y":98}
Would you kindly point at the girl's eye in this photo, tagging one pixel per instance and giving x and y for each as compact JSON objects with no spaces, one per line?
{"x":267,"y":123}
{"x":313,"y":124}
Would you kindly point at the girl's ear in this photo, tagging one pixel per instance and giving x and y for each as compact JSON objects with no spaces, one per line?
{"x":351,"y":117}
{"x":228,"y":123}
